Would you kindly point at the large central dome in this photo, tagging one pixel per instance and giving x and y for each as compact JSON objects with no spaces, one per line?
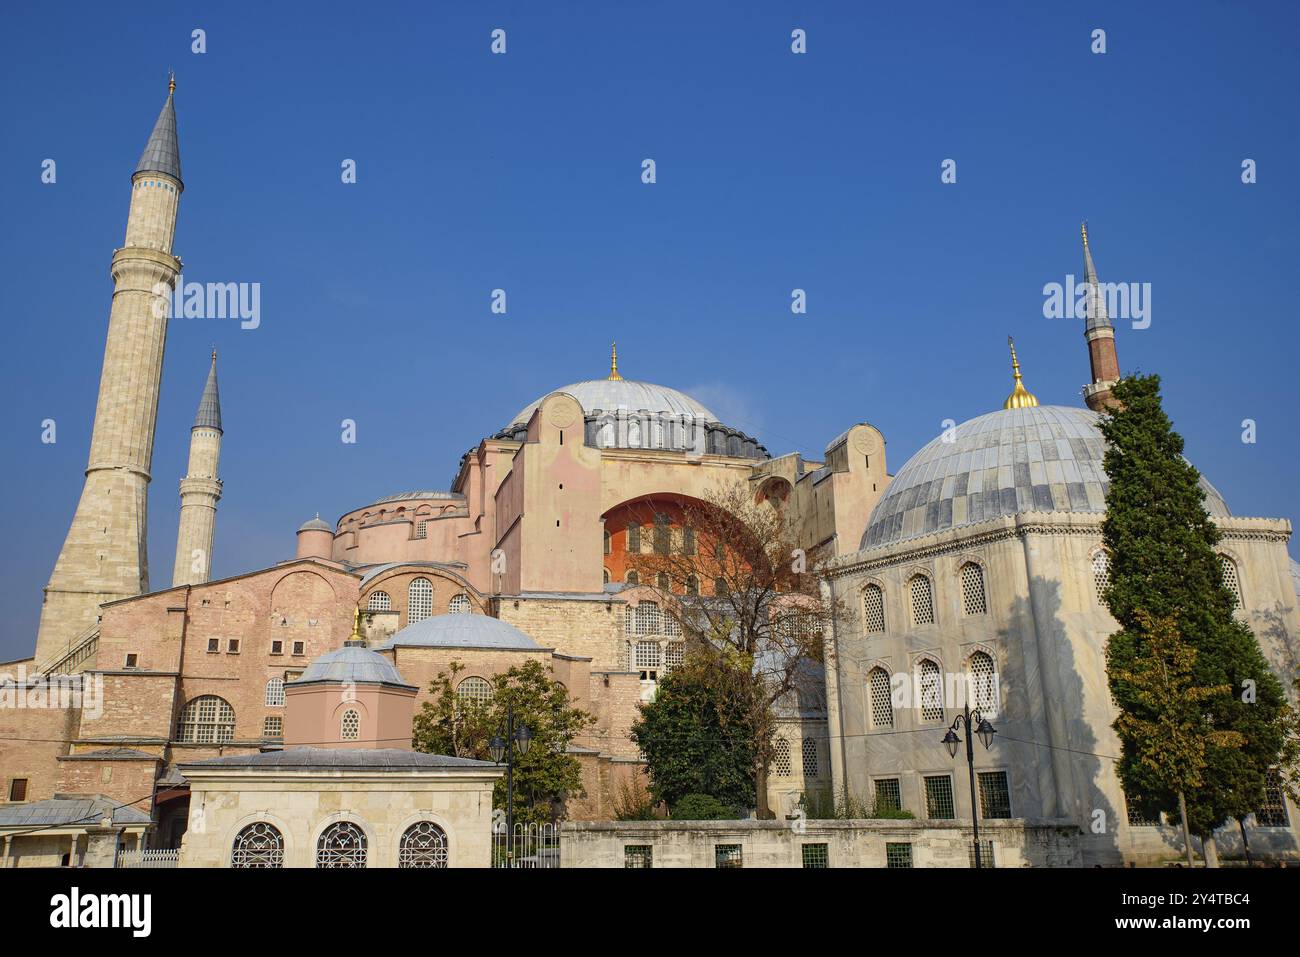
{"x":624,"y":395}
{"x":1036,"y":459}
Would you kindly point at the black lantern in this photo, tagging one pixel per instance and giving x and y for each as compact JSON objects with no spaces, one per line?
{"x":498,"y":748}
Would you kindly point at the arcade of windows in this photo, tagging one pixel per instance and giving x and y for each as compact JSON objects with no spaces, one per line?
{"x":921,"y":600}
{"x":981,"y":685}
{"x":342,"y":845}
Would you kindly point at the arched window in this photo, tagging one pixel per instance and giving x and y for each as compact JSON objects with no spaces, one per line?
{"x":811,"y":766}
{"x":692,"y":585}
{"x":634,"y":433}
{"x":633,"y":578}
{"x":1230,"y":579}
{"x":720,"y":587}
{"x":873,"y":609}
{"x":634,"y":539}
{"x":931,"y":691}
{"x":379,"y":601}
{"x":419,"y":600}
{"x":459,"y":605}
{"x":661,"y":581}
{"x":275,"y":693}
{"x":882,"y":704}
{"x":258,"y":845}
{"x":607,"y":541}
{"x":983,"y":688}
{"x":606,"y":576}
{"x":207,"y":720}
{"x":1101,"y":573}
{"x":972,"y":589}
{"x":342,"y":845}
{"x":663,"y":535}
{"x":922,"y":600}
{"x":424,"y":844}
{"x":688,"y":541}
{"x":474,"y":688}
{"x":781,"y":764}
{"x":607,"y":437}
{"x":350,"y":726}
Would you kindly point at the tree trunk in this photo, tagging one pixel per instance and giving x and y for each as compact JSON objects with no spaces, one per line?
{"x":760,"y":793}
{"x":1187,"y":834}
{"x":1210,"y":848}
{"x":1245,"y":841}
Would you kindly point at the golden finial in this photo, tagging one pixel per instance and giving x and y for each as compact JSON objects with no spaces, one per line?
{"x":171,"y":82}
{"x":356,"y":625}
{"x":1083,"y":228}
{"x":613,"y":363}
{"x":1020,"y":397}
{"x":214,"y":359}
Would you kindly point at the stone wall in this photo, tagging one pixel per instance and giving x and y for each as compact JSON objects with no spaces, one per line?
{"x":859,"y":843}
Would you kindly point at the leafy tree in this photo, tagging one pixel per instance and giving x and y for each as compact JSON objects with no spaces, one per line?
{"x":450,"y":724}
{"x":749,"y":603}
{"x":698,"y":735}
{"x":1164,"y":569}
{"x":702,"y":807}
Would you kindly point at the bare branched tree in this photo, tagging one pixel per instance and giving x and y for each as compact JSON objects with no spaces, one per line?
{"x":745,"y":591}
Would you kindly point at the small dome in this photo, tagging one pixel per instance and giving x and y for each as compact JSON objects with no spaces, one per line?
{"x":355,"y":664}
{"x":461,"y":631}
{"x":627,"y":395}
{"x":316,"y":524}
{"x":1033,"y":459}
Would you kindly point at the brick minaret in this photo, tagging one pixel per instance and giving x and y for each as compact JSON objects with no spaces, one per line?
{"x":104,"y":558}
{"x":200,"y":490}
{"x":1101,"y":338}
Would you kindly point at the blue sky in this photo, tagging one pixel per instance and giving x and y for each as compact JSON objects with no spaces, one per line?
{"x":522,"y":172}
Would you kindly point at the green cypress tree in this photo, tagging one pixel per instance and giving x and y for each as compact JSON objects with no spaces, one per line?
{"x":1164,"y":567}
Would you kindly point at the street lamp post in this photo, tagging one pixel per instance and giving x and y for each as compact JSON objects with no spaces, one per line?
{"x":985,"y":731}
{"x":516,"y":738}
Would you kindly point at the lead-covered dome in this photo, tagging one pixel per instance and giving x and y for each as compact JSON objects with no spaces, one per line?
{"x":1036,"y":459}
{"x":353,"y":664}
{"x":625,"y":395}
{"x":462,"y":631}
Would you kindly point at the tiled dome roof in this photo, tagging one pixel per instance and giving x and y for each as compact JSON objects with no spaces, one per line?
{"x":355,"y":664}
{"x":462,"y":631}
{"x":611,"y":395}
{"x":1039,"y":459}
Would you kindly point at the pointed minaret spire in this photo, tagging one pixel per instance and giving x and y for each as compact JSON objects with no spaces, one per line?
{"x":162,"y":154}
{"x":613,"y":363}
{"x":200,"y":490}
{"x":1100,"y":335}
{"x":1020,"y":397}
{"x":209,"y":414}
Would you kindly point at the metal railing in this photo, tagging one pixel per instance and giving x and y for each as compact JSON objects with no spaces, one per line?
{"x":535,"y":846}
{"x":149,"y":858}
{"x":80,"y":649}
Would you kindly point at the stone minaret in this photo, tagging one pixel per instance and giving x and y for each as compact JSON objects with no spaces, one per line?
{"x":103,"y":558}
{"x":200,"y":490}
{"x":1101,"y":338}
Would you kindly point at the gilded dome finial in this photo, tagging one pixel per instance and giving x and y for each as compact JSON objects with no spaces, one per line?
{"x":171,"y":82}
{"x":613,"y":363}
{"x":1083,"y":228}
{"x":1020,"y":397}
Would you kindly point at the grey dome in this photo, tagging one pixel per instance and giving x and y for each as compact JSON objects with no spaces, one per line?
{"x":462,"y":631}
{"x":628,"y":395}
{"x":355,"y":664}
{"x":1039,"y":459}
{"x":316,"y":524}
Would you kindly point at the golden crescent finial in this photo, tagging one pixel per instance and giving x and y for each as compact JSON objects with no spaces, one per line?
{"x":613,"y":363}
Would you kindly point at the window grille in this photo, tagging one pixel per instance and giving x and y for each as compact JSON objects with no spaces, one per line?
{"x":898,"y":855}
{"x":983,"y":680}
{"x":688,"y":541}
{"x":258,"y":845}
{"x":781,"y":763}
{"x":938,"y":797}
{"x":419,"y":600}
{"x":1273,"y":813}
{"x":459,"y":605}
{"x":882,"y":705}
{"x":275,"y":693}
{"x":672,"y":627}
{"x":972,"y":589}
{"x":379,"y":601}
{"x":674,"y":655}
{"x":816,"y":856}
{"x":647,"y":655}
{"x":986,"y":855}
{"x":638,"y":855}
{"x":273,"y":726}
{"x":1230,"y":580}
{"x":889,"y":795}
{"x":1101,"y":574}
{"x":207,"y":720}
{"x":873,"y":609}
{"x":342,"y":845}
{"x":647,"y":618}
{"x":350,"y":726}
{"x":810,"y":763}
{"x":922,"y":601}
{"x":474,"y":688}
{"x":424,"y":844}
{"x":663,"y":535}
{"x":634,"y":539}
{"x":422,"y":529}
{"x":931,"y":692}
{"x":995,"y":795}
{"x":728,"y":855}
